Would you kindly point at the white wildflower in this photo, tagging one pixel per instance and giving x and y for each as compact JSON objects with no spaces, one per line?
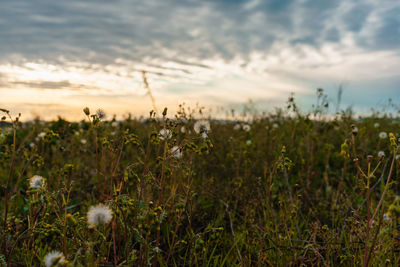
{"x":83,"y":141}
{"x":248,"y":142}
{"x":376,"y":125}
{"x":202,"y":126}
{"x":36,"y":182}
{"x":99,"y":214}
{"x":41,"y":135}
{"x":381,"y":154}
{"x":183,"y":129}
{"x":32,"y":145}
{"x":382,"y":135}
{"x":176,"y":152}
{"x":237,"y":127}
{"x":275,"y":125}
{"x":54,"y":258}
{"x":165,"y":134}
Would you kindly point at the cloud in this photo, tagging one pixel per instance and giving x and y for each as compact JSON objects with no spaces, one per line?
{"x":218,"y":51}
{"x":173,"y":29}
{"x":46,"y":84}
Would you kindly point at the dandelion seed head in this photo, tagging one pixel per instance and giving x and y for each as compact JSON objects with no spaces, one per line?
{"x":246,"y":127}
{"x":99,"y":214}
{"x":101,"y":114}
{"x":354,"y":130}
{"x":201,"y":126}
{"x":54,"y":258}
{"x":382,"y":135}
{"x":36,"y":182}
{"x":237,"y":127}
{"x":381,"y":154}
{"x":165,"y":134}
{"x":176,"y":152}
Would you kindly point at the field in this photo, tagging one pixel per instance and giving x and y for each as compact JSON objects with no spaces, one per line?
{"x":284,"y":188}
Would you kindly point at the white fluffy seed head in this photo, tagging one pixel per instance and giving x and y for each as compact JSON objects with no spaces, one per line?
{"x":165,"y":134}
{"x":202,"y":126}
{"x":176,"y":152}
{"x":386,"y":217}
{"x":381,"y":154}
{"x":99,"y":214}
{"x":36,"y":182}
{"x":54,"y":258}
{"x":382,"y":135}
{"x":246,"y":127}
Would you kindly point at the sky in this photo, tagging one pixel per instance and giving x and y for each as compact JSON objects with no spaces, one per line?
{"x":56,"y":57}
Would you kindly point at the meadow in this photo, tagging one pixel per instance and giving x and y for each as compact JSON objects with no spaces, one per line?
{"x":284,"y":188}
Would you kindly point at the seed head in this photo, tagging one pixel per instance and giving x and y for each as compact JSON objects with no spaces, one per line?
{"x":54,"y":258}
{"x":246,"y":127}
{"x":86,"y":111}
{"x":354,"y":130}
{"x":165,"y":134}
{"x":176,"y":152}
{"x":99,"y":214}
{"x":36,"y":182}
{"x":382,"y":135}
{"x":202,"y":126}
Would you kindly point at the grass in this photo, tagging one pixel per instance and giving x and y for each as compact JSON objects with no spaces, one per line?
{"x":284,"y":188}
